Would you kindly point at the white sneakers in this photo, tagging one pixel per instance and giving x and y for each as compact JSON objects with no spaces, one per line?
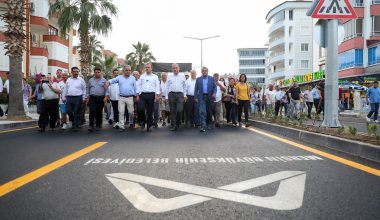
{"x":377,"y":121}
{"x":368,"y":119}
{"x":64,"y":126}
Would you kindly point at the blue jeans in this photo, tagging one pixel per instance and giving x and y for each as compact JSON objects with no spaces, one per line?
{"x":73,"y":104}
{"x":205,"y":111}
{"x":374,"y":111}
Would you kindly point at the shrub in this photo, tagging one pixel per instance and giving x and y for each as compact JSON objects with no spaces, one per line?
{"x":353,"y":131}
{"x":372,"y":129}
{"x":340,"y":130}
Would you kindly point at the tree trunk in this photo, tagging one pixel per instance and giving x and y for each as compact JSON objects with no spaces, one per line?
{"x":16,"y":107}
{"x":85,"y":54}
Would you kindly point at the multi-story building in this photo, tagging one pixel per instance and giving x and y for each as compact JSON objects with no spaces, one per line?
{"x":252,"y":63}
{"x":45,"y":51}
{"x":290,"y":46}
{"x":359,"y":53}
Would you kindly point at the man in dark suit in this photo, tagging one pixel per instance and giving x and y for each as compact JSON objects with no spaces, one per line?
{"x":205,"y":91}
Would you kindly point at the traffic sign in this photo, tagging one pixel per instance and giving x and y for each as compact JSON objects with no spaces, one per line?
{"x":333,"y":9}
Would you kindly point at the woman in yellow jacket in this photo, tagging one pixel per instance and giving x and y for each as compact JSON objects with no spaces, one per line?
{"x":242,"y":97}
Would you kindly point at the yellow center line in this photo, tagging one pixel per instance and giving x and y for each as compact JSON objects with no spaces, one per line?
{"x":350,"y":163}
{"x":29,"y":177}
{"x":18,"y":129}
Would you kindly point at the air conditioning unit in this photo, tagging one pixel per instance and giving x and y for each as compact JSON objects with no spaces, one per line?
{"x":32,"y":7}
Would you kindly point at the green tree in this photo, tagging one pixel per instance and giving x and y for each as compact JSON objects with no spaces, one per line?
{"x":140,"y":56}
{"x":96,"y":49}
{"x":14,"y":19}
{"x":88,"y":16}
{"x":107,"y":64}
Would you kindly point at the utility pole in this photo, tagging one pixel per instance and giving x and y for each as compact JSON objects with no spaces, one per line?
{"x":201,"y":40}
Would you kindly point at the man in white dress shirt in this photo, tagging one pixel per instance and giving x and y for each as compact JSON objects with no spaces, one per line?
{"x":192,"y":111}
{"x":164,"y":105}
{"x":148,"y":90}
{"x":1,"y":92}
{"x":74,"y":95}
{"x":176,"y":95}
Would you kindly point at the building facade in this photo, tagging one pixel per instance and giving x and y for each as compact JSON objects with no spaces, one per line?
{"x":359,"y":53}
{"x":252,"y":62}
{"x":46,"y":51}
{"x":290,"y":46}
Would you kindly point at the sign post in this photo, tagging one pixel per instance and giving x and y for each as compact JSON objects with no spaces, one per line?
{"x":332,"y":10}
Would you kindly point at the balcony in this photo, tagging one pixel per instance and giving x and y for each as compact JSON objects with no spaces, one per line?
{"x":39,"y":10}
{"x":276,"y":27}
{"x":39,"y":51}
{"x":280,"y":73}
{"x":375,"y":8}
{"x":277,"y":57}
{"x":57,"y":39}
{"x":276,"y":42}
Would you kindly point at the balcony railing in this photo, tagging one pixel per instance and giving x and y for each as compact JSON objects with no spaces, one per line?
{"x":375,"y":2}
{"x":357,"y":3}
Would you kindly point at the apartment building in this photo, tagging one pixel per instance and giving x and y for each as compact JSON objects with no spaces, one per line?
{"x":290,"y":46}
{"x":359,"y":53}
{"x":45,"y":51}
{"x":252,"y":62}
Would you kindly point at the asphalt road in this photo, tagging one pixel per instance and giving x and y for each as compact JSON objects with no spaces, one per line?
{"x":227,"y":173}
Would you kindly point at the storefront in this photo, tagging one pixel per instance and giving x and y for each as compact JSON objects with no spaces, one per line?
{"x":306,"y":79}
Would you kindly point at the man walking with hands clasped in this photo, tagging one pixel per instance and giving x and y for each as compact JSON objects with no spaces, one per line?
{"x":176,"y":88}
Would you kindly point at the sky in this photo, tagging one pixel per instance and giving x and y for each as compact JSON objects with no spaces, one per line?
{"x":163,"y":24}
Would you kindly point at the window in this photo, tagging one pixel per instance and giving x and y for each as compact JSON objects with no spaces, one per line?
{"x":357,"y":3}
{"x":290,"y":15}
{"x":304,"y":64}
{"x":376,"y":25}
{"x":254,"y":53}
{"x":353,"y":28}
{"x":252,"y":62}
{"x":351,"y":58}
{"x":252,"y":71}
{"x":304,"y":47}
{"x":374,"y":55}
{"x":278,"y":17}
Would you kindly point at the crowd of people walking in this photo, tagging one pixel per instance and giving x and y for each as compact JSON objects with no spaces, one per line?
{"x":131,"y":100}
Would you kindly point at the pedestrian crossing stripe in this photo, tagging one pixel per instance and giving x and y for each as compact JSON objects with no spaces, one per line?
{"x":334,"y":9}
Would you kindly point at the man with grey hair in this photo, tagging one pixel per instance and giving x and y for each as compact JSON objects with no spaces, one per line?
{"x":164,"y":105}
{"x":127,"y":92}
{"x":176,"y":94}
{"x":192,"y":111}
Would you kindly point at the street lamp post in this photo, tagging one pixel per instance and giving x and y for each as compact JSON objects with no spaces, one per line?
{"x":201,"y":40}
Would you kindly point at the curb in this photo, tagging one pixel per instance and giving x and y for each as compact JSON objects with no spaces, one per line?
{"x":18,"y":125}
{"x":356,"y":148}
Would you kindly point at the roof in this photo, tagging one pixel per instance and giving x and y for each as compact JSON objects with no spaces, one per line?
{"x":284,"y":5}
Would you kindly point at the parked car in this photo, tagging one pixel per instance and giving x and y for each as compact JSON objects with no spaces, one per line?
{"x":347,"y":85}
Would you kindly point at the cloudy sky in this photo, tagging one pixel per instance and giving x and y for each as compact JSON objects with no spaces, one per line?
{"x":163,"y":24}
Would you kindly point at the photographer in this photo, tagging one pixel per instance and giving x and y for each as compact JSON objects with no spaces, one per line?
{"x":49,"y":111}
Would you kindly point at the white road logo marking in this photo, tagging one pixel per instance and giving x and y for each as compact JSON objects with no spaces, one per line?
{"x":289,"y":194}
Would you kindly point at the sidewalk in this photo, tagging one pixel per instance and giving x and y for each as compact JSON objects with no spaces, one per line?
{"x":7,"y":124}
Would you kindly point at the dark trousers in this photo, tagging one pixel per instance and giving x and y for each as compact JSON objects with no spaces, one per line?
{"x":115,"y":108}
{"x":96,"y":104}
{"x":6,"y":112}
{"x":48,"y":113}
{"x":374,"y":111}
{"x":277,"y":106}
{"x":156,"y":114}
{"x":230,"y":112}
{"x":176,"y":101}
{"x":192,"y":113}
{"x":319,"y":105}
{"x":243,"y":104}
{"x":73,"y":106}
{"x":309,"y":108}
{"x":147,"y":105}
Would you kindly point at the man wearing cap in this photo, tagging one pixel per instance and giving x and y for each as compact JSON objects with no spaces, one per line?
{"x":373,"y":99}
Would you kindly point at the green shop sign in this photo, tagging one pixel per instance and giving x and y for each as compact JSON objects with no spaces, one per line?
{"x":309,"y":77}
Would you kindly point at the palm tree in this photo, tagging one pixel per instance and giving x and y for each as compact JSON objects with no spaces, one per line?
{"x":96,"y":49}
{"x":14,"y":18}
{"x":89,"y":16}
{"x":107,"y":65}
{"x":140,"y":56}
